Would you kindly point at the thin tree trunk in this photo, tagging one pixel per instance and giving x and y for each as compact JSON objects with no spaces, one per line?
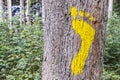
{"x":28,"y":12}
{"x":74,"y":40}
{"x":1,"y":10}
{"x":9,"y":4}
{"x":110,"y":8}
{"x":21,"y":12}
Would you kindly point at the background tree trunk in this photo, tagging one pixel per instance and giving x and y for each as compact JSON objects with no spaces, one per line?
{"x":1,"y":10}
{"x":28,"y":11}
{"x":9,"y":3}
{"x":21,"y":11}
{"x":110,"y":8}
{"x":62,"y":43}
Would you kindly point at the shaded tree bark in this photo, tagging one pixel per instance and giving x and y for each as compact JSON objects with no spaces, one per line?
{"x":62,"y":43}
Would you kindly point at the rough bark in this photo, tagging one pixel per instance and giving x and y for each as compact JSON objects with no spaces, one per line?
{"x":1,"y":10}
{"x":9,"y":4}
{"x":21,"y":11}
{"x":62,"y":43}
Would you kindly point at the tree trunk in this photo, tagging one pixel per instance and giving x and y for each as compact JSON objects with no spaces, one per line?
{"x":9,"y":3}
{"x":74,"y":34}
{"x":110,"y":8}
{"x":28,"y":12}
{"x":21,"y":12}
{"x":1,"y":10}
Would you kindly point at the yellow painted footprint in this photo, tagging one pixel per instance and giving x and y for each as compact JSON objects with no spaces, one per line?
{"x":86,"y":33}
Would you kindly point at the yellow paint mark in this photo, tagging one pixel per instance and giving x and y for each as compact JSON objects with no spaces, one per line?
{"x":86,"y":33}
{"x":91,"y":18}
{"x":73,"y":12}
{"x":81,"y":13}
{"x":87,"y":14}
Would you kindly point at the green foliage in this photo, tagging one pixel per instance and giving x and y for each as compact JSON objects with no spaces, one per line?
{"x":116,"y":6}
{"x":21,"y":51}
{"x":112,"y":50}
{"x":110,"y":75}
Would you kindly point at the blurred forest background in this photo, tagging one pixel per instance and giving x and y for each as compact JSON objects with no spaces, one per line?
{"x":21,"y":41}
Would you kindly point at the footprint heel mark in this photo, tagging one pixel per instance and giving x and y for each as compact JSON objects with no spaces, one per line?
{"x":86,"y":33}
